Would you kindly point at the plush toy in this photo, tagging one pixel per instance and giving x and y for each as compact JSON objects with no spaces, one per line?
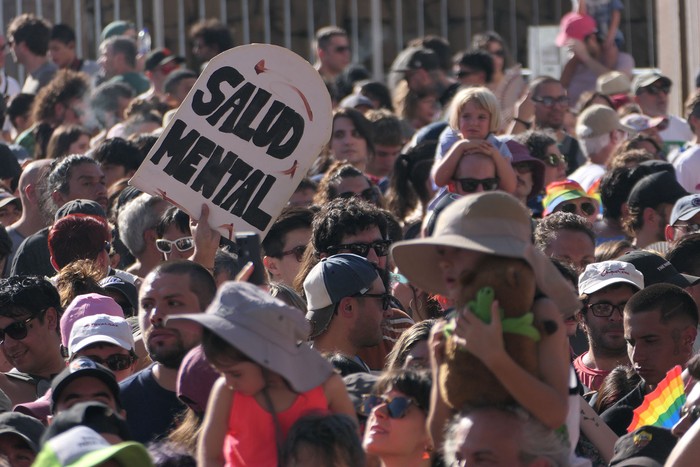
{"x":464,"y":379}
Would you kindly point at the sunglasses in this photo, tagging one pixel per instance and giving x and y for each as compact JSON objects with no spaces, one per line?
{"x":499,"y":53}
{"x":587,"y":208}
{"x":549,"y":101}
{"x":182,"y":244}
{"x":470,"y":185}
{"x":396,"y":407}
{"x":384,"y":297}
{"x":107,"y":247}
{"x":17,"y":330}
{"x":297,"y":251}
{"x":380,"y":247}
{"x":553,"y":160}
{"x":656,"y":90}
{"x":116,"y":362}
{"x":368,"y":195}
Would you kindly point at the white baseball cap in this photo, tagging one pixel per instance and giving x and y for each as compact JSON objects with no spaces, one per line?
{"x":100,"y":328}
{"x":600,"y":275}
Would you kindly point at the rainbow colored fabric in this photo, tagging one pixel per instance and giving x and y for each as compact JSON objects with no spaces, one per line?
{"x":661,"y":407}
{"x":561,"y":191}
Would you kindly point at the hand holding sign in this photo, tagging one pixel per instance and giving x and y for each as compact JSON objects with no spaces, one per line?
{"x":242,"y":140}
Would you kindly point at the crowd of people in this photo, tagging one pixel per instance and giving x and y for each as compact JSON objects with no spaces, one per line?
{"x":131,"y":334}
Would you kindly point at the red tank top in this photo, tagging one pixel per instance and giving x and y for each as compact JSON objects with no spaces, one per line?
{"x":250,"y":440}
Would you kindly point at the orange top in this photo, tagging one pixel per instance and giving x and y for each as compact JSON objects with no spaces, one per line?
{"x":250,"y":440}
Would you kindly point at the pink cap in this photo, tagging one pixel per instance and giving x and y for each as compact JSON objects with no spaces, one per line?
{"x":87,"y":305}
{"x":575,"y":26}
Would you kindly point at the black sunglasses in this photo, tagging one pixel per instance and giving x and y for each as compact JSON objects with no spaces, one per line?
{"x":297,"y":251}
{"x":385,"y":297}
{"x":380,"y":247}
{"x":396,"y":407}
{"x":17,"y":330}
{"x":115,"y":362}
{"x":587,"y":208}
{"x":549,"y":101}
{"x":368,"y":194}
{"x":470,"y":185}
{"x":182,"y":244}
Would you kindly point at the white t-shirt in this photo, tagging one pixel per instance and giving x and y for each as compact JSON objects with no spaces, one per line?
{"x":677,"y":134}
{"x":588,"y":174}
{"x":687,"y":166}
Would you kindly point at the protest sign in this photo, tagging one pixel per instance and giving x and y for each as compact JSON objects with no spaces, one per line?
{"x":242,"y":140}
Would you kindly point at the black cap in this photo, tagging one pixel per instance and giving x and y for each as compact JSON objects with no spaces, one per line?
{"x":9,"y":165}
{"x":78,"y":368}
{"x":657,"y":270}
{"x":94,"y":415}
{"x":126,"y":289}
{"x":415,"y":58}
{"x":80,"y":206}
{"x":28,"y":428}
{"x":655,"y":189}
{"x":157,"y":57}
{"x":358,"y":385}
{"x":648,"y":446}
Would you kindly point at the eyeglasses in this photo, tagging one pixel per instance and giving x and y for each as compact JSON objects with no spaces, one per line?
{"x":470,"y":185}
{"x":396,"y":407}
{"x":368,"y":194}
{"x":115,"y":362}
{"x":656,"y":90}
{"x":182,"y":244}
{"x":688,"y":228}
{"x":17,"y":330}
{"x":605,"y":310}
{"x":380,"y":247}
{"x":499,"y":53}
{"x":107,"y":247}
{"x":342,"y":49}
{"x":297,"y":251}
{"x":554,"y":160}
{"x":549,"y":101}
{"x":587,"y":208}
{"x":385,"y":298}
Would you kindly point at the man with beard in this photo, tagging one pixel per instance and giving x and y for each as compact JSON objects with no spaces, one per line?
{"x":544,"y":108}
{"x":149,"y":396}
{"x":604,"y":288}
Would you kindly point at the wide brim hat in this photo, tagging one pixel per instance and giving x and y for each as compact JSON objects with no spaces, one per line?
{"x":268,"y":331}
{"x":494,"y":223}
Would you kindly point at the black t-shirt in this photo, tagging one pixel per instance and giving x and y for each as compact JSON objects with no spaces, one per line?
{"x":151,"y":410}
{"x":32,"y":257}
{"x":619,"y":416}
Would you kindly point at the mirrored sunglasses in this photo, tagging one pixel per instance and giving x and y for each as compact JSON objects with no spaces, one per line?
{"x":182,"y":244}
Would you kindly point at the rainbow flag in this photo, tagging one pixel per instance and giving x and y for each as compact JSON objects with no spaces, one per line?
{"x":661,"y":407}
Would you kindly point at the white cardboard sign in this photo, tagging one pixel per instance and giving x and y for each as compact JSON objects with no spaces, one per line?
{"x":242,"y":140}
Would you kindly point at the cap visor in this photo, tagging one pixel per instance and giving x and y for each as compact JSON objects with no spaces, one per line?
{"x":602,"y":284}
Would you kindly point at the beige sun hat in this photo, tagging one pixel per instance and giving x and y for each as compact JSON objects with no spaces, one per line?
{"x":494,"y":223}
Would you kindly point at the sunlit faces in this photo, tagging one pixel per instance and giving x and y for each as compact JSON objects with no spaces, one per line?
{"x":173,"y":233}
{"x":555,"y":166}
{"x":653,"y":99}
{"x":550,"y":116}
{"x":336,"y":55}
{"x":369,"y":235}
{"x":87,"y":181}
{"x":655,"y":347}
{"x":61,"y":54}
{"x":572,"y":247}
{"x":382,"y":163}
{"x":453,"y":262}
{"x":366,"y":330}
{"x":29,"y":354}
{"x":287,"y":267}
{"x":84,"y":389}
{"x":10,"y":213}
{"x":163,"y":295}
{"x":396,"y":437}
{"x":474,"y":121}
{"x":80,"y":145}
{"x":489,"y":437}
{"x":475,"y":166}
{"x":606,"y":334}
{"x":523,"y":175}
{"x":347,"y":143}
